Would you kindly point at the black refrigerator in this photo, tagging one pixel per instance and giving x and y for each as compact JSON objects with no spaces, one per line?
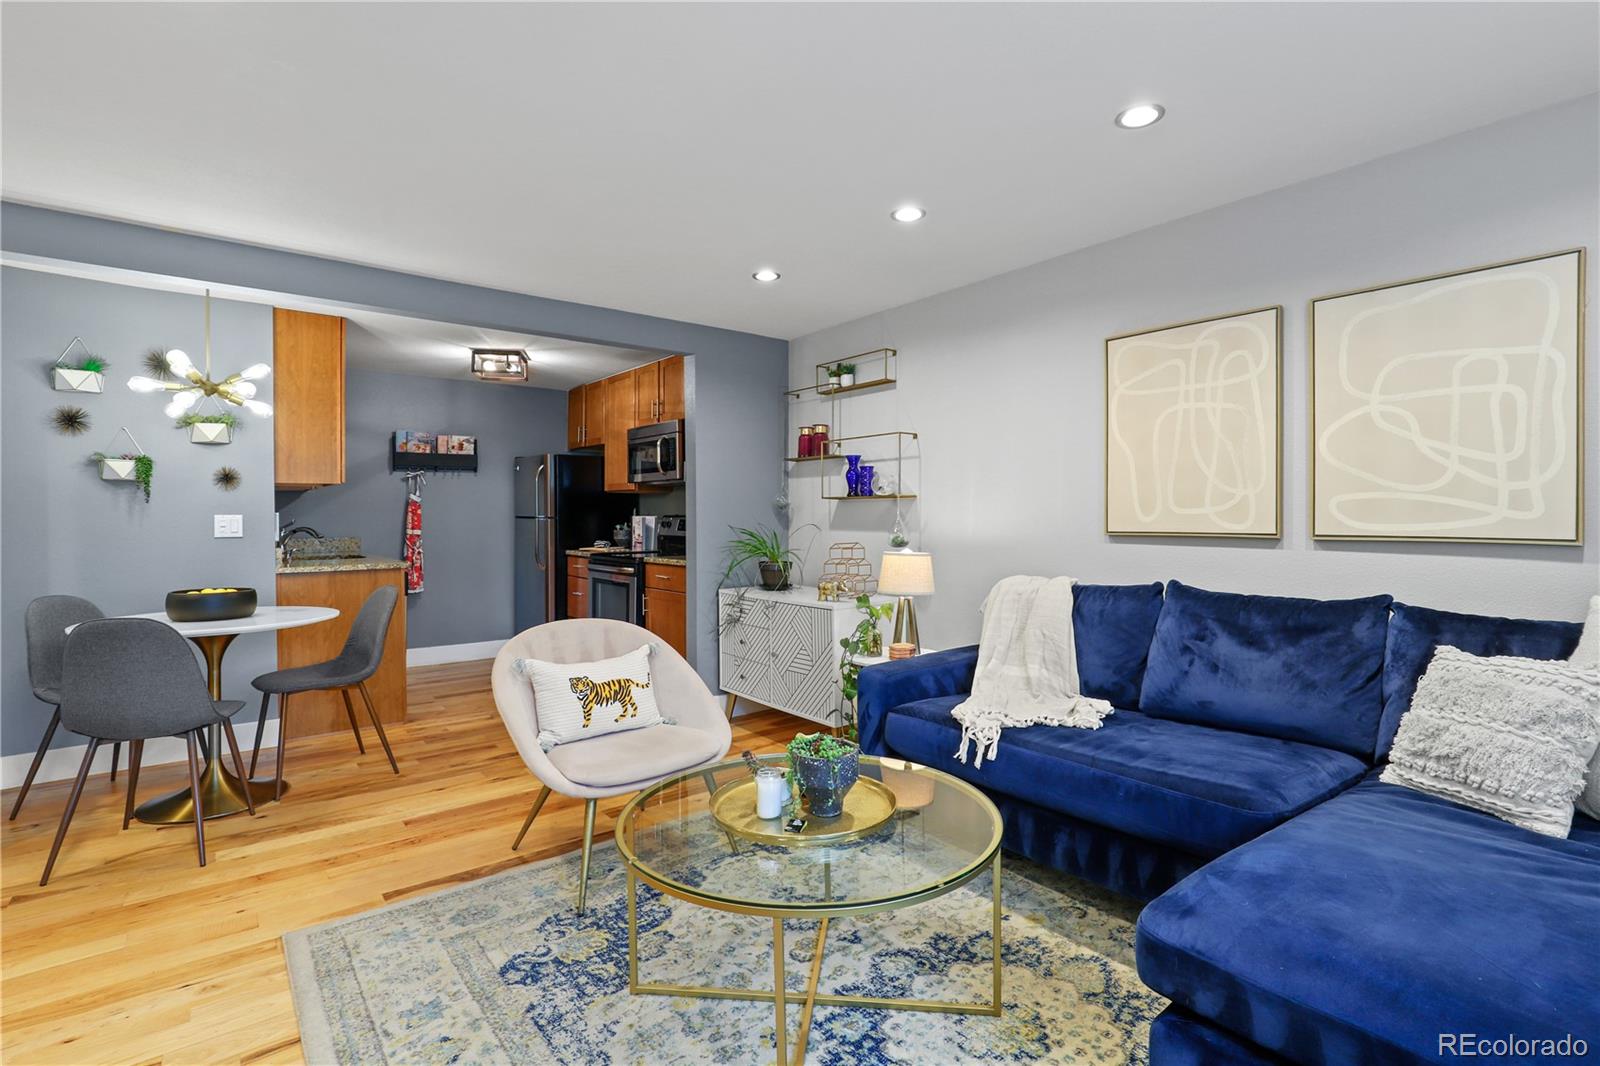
{"x":561,"y":503}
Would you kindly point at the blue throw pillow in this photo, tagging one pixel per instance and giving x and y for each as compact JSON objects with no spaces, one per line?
{"x":1415,"y":631}
{"x":1111,"y":630}
{"x":1296,"y":669}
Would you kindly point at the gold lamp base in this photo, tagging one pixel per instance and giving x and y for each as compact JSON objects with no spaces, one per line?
{"x":905,"y":624}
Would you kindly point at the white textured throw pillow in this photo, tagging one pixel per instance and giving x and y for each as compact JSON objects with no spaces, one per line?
{"x":576,"y":701}
{"x":1505,"y":735}
{"x":1587,"y":653}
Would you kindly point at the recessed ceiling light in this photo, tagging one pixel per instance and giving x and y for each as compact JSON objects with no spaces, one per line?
{"x":1139,"y":116}
{"x":908,"y":213}
{"x":766,"y":274}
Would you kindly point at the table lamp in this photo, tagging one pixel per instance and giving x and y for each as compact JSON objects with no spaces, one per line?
{"x":906,"y":574}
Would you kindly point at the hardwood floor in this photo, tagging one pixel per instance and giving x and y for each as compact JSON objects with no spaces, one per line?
{"x":133,"y":954}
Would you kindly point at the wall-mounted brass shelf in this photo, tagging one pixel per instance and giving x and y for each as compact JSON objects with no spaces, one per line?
{"x":881,"y":371}
{"x":838,"y":447}
{"x":877,"y":496}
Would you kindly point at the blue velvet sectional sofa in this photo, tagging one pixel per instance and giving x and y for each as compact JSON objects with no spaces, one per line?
{"x":1300,"y":909}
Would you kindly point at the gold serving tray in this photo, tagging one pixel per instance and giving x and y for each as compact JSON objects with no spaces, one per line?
{"x":867,"y":805}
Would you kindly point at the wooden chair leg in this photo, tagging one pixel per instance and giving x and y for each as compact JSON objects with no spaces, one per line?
{"x":350,"y":713}
{"x":135,"y":754}
{"x":283,"y":737}
{"x":261,"y":727}
{"x":588,"y":846}
{"x":116,"y":753}
{"x":238,"y":764}
{"x":372,"y":712}
{"x":194,"y":783}
{"x":544,"y":794}
{"x":72,"y":805}
{"x":38,"y":757}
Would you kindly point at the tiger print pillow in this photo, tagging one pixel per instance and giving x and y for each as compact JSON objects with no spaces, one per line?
{"x":576,"y":701}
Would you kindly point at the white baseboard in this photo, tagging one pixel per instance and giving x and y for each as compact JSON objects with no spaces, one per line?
{"x":453,"y":653}
{"x":61,"y":764}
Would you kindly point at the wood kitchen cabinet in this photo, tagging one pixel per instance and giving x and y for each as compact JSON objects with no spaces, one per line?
{"x":586,"y":416}
{"x":307,"y":399}
{"x":658,"y":391}
{"x":346,"y":591}
{"x":577,"y":587}
{"x":666,"y":604}
{"x":618,"y":420}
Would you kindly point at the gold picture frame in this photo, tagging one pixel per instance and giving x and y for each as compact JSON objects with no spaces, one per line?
{"x":1326,"y":415}
{"x":1115,"y":507}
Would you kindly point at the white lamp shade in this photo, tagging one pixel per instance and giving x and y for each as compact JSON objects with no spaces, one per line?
{"x":906,"y":573}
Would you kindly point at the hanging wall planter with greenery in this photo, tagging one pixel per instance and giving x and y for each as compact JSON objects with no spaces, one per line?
{"x":209,"y":429}
{"x":87,"y":373}
{"x":135,"y":465}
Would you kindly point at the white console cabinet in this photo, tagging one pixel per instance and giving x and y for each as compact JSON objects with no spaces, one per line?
{"x":781,"y":649}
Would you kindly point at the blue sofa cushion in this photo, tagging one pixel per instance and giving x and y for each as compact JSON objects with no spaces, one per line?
{"x":1305,"y":670}
{"x":1111,"y":630}
{"x":1414,"y":632}
{"x":884,"y":686}
{"x":1178,"y":1038}
{"x":1191,"y":787}
{"x":1361,"y":930}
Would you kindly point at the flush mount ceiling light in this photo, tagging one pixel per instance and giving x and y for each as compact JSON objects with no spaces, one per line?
{"x":1139,"y":116}
{"x":191,"y":385}
{"x":500,"y":364}
{"x":766,"y":274}
{"x":908,"y":213}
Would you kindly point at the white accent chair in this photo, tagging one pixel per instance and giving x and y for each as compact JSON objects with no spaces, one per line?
{"x":618,"y":763}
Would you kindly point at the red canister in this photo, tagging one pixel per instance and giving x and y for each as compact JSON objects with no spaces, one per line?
{"x":819,"y":439}
{"x":807,"y":443}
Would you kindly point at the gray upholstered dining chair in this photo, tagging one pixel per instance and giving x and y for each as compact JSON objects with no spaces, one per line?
{"x":45,"y":624}
{"x":359,"y":660}
{"x":618,"y":763}
{"x":129,"y":679}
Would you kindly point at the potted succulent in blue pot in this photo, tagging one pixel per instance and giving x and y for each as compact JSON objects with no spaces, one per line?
{"x":826,"y":767}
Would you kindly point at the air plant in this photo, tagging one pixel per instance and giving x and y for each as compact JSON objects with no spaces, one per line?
{"x":155,"y":364}
{"x":227,"y":478}
{"x":223,"y":418}
{"x":69,"y":421}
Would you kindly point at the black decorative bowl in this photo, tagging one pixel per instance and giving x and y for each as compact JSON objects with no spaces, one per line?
{"x":210,"y":604}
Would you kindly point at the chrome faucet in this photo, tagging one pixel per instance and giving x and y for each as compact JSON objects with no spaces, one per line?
{"x":284,"y":535}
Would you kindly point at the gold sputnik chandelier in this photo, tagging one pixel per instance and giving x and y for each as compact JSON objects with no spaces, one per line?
{"x":191,"y":385}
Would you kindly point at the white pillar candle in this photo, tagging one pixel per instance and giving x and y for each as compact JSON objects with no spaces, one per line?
{"x":771,"y":790}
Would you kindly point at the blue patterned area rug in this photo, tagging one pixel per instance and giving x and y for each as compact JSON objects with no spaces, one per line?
{"x":504,"y":971}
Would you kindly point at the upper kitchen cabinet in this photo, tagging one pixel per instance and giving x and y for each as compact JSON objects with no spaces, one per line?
{"x":671,"y":381}
{"x":619,"y":415}
{"x":586,"y":416}
{"x":307,"y":398}
{"x":658,"y":391}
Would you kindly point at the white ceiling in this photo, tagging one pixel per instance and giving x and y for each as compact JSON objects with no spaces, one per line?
{"x":649,"y":157}
{"x":401,"y":345}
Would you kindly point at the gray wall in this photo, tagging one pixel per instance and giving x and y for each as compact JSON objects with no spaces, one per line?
{"x":65,"y":530}
{"x":466,"y":518}
{"x":734,"y":380}
{"x":1004,"y":380}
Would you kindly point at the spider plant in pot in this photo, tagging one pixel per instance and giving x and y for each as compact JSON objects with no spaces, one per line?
{"x":764,"y":547}
{"x":826,"y":767}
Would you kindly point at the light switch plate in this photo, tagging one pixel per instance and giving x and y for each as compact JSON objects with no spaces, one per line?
{"x":227,"y":525}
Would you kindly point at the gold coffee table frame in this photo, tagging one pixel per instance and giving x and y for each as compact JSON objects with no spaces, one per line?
{"x":639,"y":870}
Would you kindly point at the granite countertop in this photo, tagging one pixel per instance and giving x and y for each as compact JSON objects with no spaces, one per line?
{"x":666,"y":560}
{"x":659,"y":560}
{"x":586,"y":552}
{"x":325,"y":565}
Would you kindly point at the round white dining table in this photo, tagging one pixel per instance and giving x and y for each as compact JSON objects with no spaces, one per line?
{"x":221,"y":791}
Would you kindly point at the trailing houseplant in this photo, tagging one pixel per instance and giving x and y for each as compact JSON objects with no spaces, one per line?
{"x":865,"y":640}
{"x":144,"y":468}
{"x":764,"y":547}
{"x":827,"y":767}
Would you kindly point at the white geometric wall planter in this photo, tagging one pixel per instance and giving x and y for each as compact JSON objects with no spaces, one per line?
{"x":116,"y":470}
{"x":65,"y":379}
{"x":210,"y":433}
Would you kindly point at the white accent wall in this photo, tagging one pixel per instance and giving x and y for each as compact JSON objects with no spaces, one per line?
{"x":1004,"y":381}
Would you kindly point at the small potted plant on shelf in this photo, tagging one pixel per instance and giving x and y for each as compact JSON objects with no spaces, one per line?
{"x":209,"y":429}
{"x":847,"y":374}
{"x":128,"y":466}
{"x":764,"y":547}
{"x":826,"y":767}
{"x":833,"y":377}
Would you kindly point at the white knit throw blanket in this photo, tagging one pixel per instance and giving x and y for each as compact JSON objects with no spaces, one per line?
{"x":1027,"y":666}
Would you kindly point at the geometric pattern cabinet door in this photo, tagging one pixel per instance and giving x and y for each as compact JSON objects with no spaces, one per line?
{"x":781,"y":649}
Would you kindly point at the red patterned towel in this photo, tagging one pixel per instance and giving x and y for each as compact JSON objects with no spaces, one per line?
{"x":413,"y":545}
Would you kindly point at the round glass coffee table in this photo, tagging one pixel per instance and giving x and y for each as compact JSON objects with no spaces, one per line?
{"x":943,"y":833}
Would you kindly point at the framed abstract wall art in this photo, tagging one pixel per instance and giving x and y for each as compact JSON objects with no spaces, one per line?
{"x":1450,"y":408}
{"x":1193,"y":415}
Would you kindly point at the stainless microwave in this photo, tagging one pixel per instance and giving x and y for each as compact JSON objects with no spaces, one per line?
{"x":655,"y":454}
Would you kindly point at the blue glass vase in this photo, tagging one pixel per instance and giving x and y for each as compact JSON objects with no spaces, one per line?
{"x":864,"y":480}
{"x":852,"y":475}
